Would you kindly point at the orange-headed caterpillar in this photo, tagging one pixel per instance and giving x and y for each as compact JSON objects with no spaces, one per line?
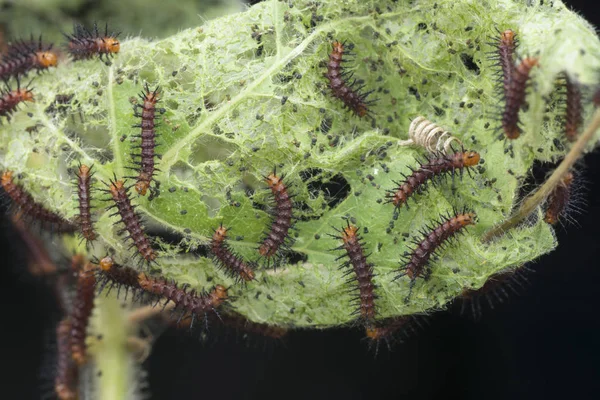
{"x":281,"y":223}
{"x":148,"y":144}
{"x":391,"y":330}
{"x":434,"y":166}
{"x":574,"y":110}
{"x":515,"y":97}
{"x":132,"y":221}
{"x":23,"y":57}
{"x":351,"y":95}
{"x":494,"y":290}
{"x":11,"y":98}
{"x":363,"y":272}
{"x":84,"y":182}
{"x":228,"y":260}
{"x":30,"y":208}
{"x":198,"y":304}
{"x":84,"y":44}
{"x":417,"y":261}
{"x":239,"y":322}
{"x":83,"y":304}
{"x":65,"y":381}
{"x":504,"y":55}
{"x":559,"y":199}
{"x":117,"y":275}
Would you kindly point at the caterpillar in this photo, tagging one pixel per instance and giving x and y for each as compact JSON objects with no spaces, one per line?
{"x":198,"y":304}
{"x":65,"y":381}
{"x":131,"y":220}
{"x":352,"y":97}
{"x":117,"y":275}
{"x":80,"y":315}
{"x":434,"y":166}
{"x":281,"y":223}
{"x":515,"y":97}
{"x":229,"y":261}
{"x":30,"y":208}
{"x":573,"y":111}
{"x":10,"y":99}
{"x":494,"y":290}
{"x":148,"y":141}
{"x":417,"y":262}
{"x":390,"y":331}
{"x":559,"y":199}
{"x":362,"y":269}
{"x":86,"y":226}
{"x":23,"y":57}
{"x":505,"y":56}
{"x":84,"y":44}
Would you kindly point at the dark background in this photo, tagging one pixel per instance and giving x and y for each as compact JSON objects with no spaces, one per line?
{"x":540,"y":344}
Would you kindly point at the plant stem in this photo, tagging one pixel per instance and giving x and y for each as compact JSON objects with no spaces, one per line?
{"x":539,"y":196}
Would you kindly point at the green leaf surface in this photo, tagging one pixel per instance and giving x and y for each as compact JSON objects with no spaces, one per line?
{"x":235,"y":107}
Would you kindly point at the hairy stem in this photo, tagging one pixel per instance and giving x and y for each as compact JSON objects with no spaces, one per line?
{"x":538,"y":197}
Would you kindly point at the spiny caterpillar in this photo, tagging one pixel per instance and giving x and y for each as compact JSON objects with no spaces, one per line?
{"x":363,"y":271}
{"x":493,"y":290}
{"x":348,"y":93}
{"x":281,"y":223}
{"x":86,"y":226}
{"x":434,"y":166}
{"x":573,"y":111}
{"x":417,"y":261}
{"x":10,"y":99}
{"x":23,"y":57}
{"x":198,"y":304}
{"x":148,"y":136}
{"x":30,"y":208}
{"x":131,"y":220}
{"x":83,"y":303}
{"x":65,"y":382}
{"x":230,"y":262}
{"x":84,"y":44}
{"x":559,"y":199}
{"x":117,"y":275}
{"x":515,"y":97}
{"x":389,"y":331}
{"x":506,"y":57}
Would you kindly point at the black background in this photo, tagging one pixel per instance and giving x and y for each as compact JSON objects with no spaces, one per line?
{"x":541,"y":344}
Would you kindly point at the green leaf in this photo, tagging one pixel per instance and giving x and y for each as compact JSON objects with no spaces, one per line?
{"x":235,"y":107}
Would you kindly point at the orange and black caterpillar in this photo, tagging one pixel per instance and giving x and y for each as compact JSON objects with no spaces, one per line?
{"x":132,"y":221}
{"x":28,"y":207}
{"x":145,"y":159}
{"x":515,"y":97}
{"x":113,"y":274}
{"x":416,"y":263}
{"x":390,"y":331}
{"x":84,"y":44}
{"x":197,"y":304}
{"x":24,"y":56}
{"x":281,"y":223}
{"x":352,"y":97}
{"x":434,"y":166}
{"x":504,"y":57}
{"x":83,"y":304}
{"x":239,"y":322}
{"x":363,"y":272}
{"x":494,"y":290}
{"x":228,"y":260}
{"x":86,"y":225}
{"x":10,"y":99}
{"x":573,"y":111}
{"x":559,"y":199}
{"x":65,"y":381}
